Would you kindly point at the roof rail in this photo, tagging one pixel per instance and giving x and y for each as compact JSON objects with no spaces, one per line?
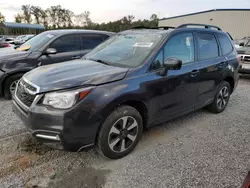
{"x":202,"y":25}
{"x":163,"y":27}
{"x":140,"y":27}
{"x":159,"y":27}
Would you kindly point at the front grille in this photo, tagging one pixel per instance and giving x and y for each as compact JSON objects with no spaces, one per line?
{"x":23,"y":93}
{"x":247,"y":58}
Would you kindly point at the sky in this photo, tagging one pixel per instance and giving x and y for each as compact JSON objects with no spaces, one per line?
{"x":111,"y":10}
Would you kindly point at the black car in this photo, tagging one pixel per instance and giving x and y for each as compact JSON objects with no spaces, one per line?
{"x":46,"y":48}
{"x":137,"y":79}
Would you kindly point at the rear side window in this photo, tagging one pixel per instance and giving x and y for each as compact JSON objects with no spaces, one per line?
{"x":208,"y":47}
{"x":91,"y":41}
{"x":225,"y":44}
{"x":68,"y":43}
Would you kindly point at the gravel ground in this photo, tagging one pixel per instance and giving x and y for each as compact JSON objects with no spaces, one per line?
{"x":198,"y":150}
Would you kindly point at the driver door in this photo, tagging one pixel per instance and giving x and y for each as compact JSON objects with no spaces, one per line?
{"x":175,"y":92}
{"x":67,"y":47}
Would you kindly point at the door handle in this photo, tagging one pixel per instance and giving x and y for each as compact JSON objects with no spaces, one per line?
{"x":194,"y":73}
{"x":76,"y":57}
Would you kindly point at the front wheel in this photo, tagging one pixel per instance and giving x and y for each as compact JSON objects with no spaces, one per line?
{"x":10,"y":85}
{"x":221,"y":98}
{"x":120,"y":132}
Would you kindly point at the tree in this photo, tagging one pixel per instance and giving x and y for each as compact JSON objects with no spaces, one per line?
{"x":19,"y":18}
{"x":154,"y":20}
{"x":2,"y":18}
{"x":44,"y":18}
{"x":36,"y":11}
{"x":79,"y":20}
{"x":27,"y":13}
{"x":86,"y":16}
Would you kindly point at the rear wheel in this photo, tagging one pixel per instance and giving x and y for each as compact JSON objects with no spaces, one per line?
{"x":120,"y":132}
{"x":221,"y":98}
{"x":10,"y":85}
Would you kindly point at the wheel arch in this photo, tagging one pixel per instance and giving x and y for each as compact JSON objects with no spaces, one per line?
{"x":231,"y":81}
{"x":8,"y":75}
{"x":139,"y":105}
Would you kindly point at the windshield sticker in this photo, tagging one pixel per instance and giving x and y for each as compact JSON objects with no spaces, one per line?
{"x":143,"y":44}
{"x":50,"y":36}
{"x":25,"y":48}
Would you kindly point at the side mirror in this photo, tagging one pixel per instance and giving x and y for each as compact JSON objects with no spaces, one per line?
{"x":172,"y":64}
{"x":241,"y":44}
{"x":51,"y":51}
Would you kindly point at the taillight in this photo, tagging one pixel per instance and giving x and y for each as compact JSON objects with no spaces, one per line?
{"x":6,"y":45}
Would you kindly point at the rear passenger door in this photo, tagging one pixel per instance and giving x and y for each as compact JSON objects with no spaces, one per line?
{"x":67,"y":47}
{"x":211,"y":64}
{"x":90,"y":41}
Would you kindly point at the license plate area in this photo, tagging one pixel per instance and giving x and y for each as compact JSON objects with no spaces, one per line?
{"x":245,"y":66}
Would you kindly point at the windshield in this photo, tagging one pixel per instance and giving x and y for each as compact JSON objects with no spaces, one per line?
{"x":128,"y":50}
{"x":248,"y":44}
{"x":36,"y":42}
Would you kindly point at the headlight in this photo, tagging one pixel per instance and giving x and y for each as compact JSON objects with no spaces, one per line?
{"x":66,"y":99}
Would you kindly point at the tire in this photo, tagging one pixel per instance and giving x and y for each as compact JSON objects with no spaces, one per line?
{"x":8,"y":83}
{"x":221,"y":98}
{"x":113,"y":133}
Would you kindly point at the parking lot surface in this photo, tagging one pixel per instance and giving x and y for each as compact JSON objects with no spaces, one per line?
{"x":197,"y":150}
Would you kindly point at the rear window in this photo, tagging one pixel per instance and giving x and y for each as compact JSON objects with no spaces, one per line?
{"x":208,"y":47}
{"x":225,"y":44}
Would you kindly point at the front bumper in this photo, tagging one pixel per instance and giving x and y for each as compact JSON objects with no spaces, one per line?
{"x":245,"y":64}
{"x":244,"y":70}
{"x":58,"y":129}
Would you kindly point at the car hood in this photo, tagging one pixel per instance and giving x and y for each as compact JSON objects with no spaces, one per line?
{"x":10,"y":53}
{"x":72,"y":74}
{"x":243,"y":50}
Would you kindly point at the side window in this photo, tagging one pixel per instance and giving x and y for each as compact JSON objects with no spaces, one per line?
{"x":180,"y":46}
{"x":207,"y":45}
{"x":91,"y":41}
{"x":225,"y":44}
{"x":158,"y":62}
{"x":68,"y":43}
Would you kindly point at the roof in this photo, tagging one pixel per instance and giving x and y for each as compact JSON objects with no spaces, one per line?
{"x":147,"y":31}
{"x":201,"y":12}
{"x":23,"y":25}
{"x":69,"y":31}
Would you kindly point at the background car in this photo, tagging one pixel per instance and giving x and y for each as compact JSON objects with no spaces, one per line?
{"x":22,"y":39}
{"x":244,"y":54}
{"x":46,"y":48}
{"x":9,"y":40}
{"x":4,"y":45}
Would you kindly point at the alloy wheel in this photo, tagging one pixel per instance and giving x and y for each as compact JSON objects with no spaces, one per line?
{"x":223,"y":97}
{"x":13,"y":86}
{"x":123,"y":134}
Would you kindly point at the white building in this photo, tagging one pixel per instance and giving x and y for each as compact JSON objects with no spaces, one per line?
{"x":234,"y":21}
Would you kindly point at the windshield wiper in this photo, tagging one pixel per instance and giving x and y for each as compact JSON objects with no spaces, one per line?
{"x":100,"y":61}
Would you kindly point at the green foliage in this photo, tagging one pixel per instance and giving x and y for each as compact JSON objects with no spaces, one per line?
{"x":19,"y":18}
{"x":57,"y":17}
{"x":2,"y":18}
